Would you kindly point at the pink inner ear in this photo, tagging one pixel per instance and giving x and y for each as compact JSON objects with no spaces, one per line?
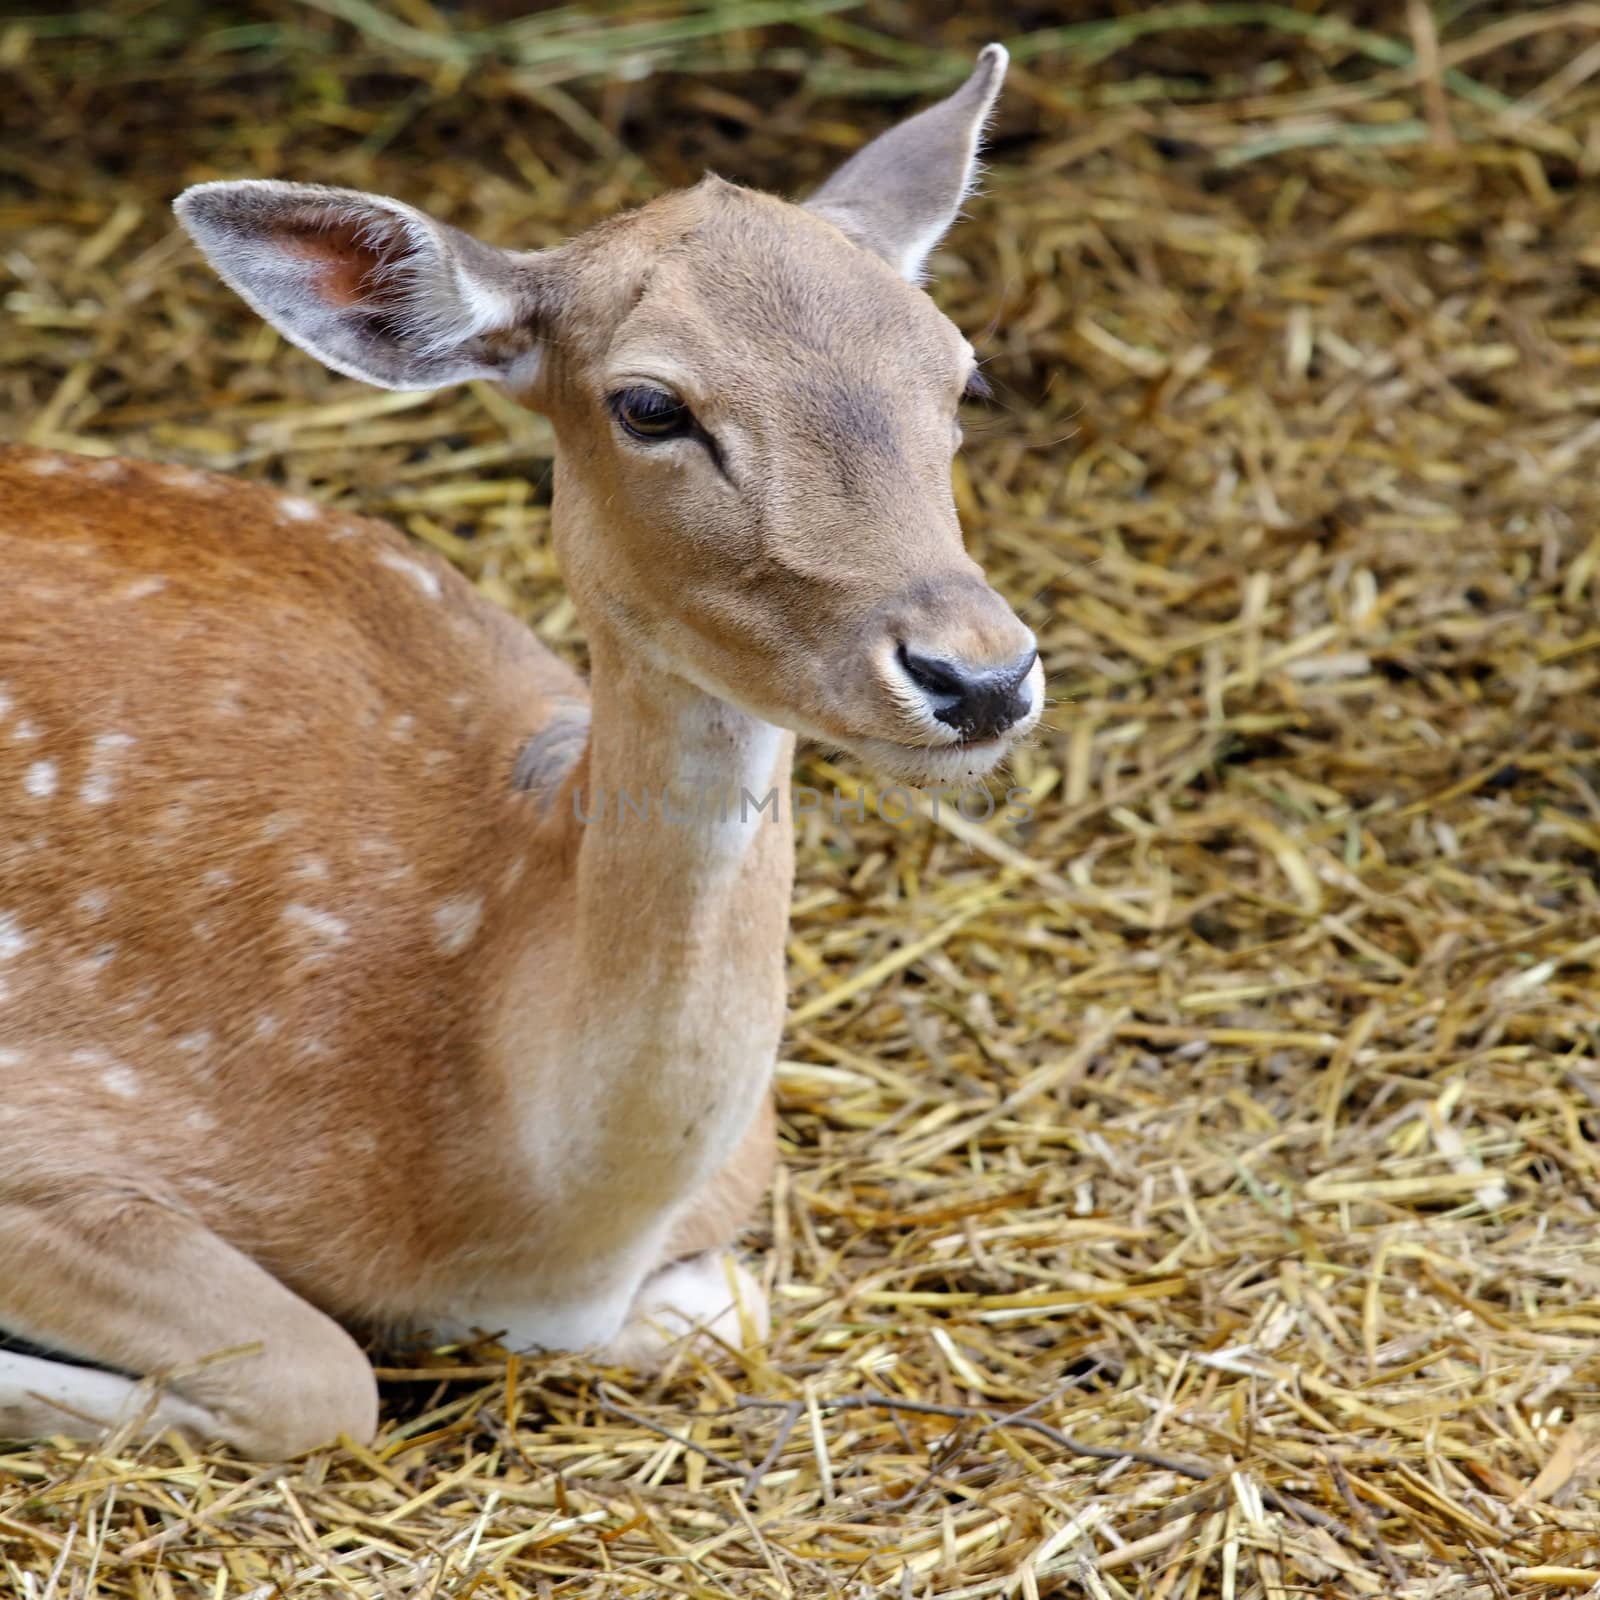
{"x":350,"y":271}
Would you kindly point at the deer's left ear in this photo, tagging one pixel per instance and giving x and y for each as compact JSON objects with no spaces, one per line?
{"x":900,"y":193}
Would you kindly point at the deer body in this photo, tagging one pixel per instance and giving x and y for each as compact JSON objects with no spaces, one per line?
{"x":339,"y":986}
{"x":277,"y":877}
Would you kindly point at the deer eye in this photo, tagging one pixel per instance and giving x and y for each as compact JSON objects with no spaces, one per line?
{"x":652,"y":414}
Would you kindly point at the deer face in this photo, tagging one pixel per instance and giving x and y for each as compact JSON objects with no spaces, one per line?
{"x":755,"y":412}
{"x":755,"y":487}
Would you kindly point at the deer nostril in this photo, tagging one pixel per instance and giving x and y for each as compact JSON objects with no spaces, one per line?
{"x":932,"y":674}
{"x":1020,"y":668}
{"x":978,"y":702}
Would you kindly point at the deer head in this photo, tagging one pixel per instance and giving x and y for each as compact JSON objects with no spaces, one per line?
{"x":755,"y":409}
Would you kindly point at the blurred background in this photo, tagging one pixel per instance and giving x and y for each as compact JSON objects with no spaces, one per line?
{"x":1238,"y":1109}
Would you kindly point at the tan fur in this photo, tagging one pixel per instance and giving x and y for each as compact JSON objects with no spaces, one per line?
{"x":225,"y":852}
{"x":319,"y":1007}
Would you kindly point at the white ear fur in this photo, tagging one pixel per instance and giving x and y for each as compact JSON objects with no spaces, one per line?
{"x":899,"y":194}
{"x":371,"y":287}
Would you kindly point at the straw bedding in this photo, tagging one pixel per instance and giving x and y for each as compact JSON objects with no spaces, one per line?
{"x":1191,"y":1190}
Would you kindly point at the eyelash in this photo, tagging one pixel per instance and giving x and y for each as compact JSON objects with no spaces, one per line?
{"x":978,"y":387}
{"x":637,"y":407}
{"x":629,"y":407}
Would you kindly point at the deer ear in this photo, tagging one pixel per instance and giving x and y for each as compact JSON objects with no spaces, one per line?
{"x":373,"y":288}
{"x":900,"y":193}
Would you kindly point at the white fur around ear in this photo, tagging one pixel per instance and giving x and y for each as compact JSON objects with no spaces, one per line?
{"x":899,"y":194}
{"x":373,"y":288}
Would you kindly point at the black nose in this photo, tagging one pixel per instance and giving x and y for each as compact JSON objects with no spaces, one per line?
{"x":978,"y":702}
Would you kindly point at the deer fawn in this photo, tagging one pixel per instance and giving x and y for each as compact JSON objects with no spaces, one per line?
{"x":321,"y":1005}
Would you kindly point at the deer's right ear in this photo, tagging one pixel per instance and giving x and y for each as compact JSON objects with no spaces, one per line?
{"x":375,"y":289}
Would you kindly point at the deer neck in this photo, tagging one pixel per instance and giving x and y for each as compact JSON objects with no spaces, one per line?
{"x":669,"y":1004}
{"x":675,"y":793}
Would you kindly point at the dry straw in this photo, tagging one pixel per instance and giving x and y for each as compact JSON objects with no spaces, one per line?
{"x":1191,"y":1192}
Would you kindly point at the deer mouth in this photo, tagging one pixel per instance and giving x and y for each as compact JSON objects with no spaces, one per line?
{"x":935,"y":763}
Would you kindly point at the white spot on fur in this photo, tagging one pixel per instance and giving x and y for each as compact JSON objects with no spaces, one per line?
{"x":6,"y":702}
{"x":24,"y":730}
{"x":10,"y":1058}
{"x":98,"y":785}
{"x":94,"y":902}
{"x":426,"y":581}
{"x":320,"y":924}
{"x":298,"y":509}
{"x":177,"y":477}
{"x":140,"y":587}
{"x":278,"y":824}
{"x":106,"y":471}
{"x":204,"y":929}
{"x":40,"y":779}
{"x":13,"y":940}
{"x":194,"y":1044}
{"x":266,"y":1025}
{"x":46,"y":466}
{"x":456,"y":922}
{"x":311,"y":867}
{"x":512,"y":876}
{"x":120,"y":1081}
{"x":227,"y":703}
{"x":218,"y":878}
{"x":100,"y":959}
{"x":198,"y":1121}
{"x":402,"y":726}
